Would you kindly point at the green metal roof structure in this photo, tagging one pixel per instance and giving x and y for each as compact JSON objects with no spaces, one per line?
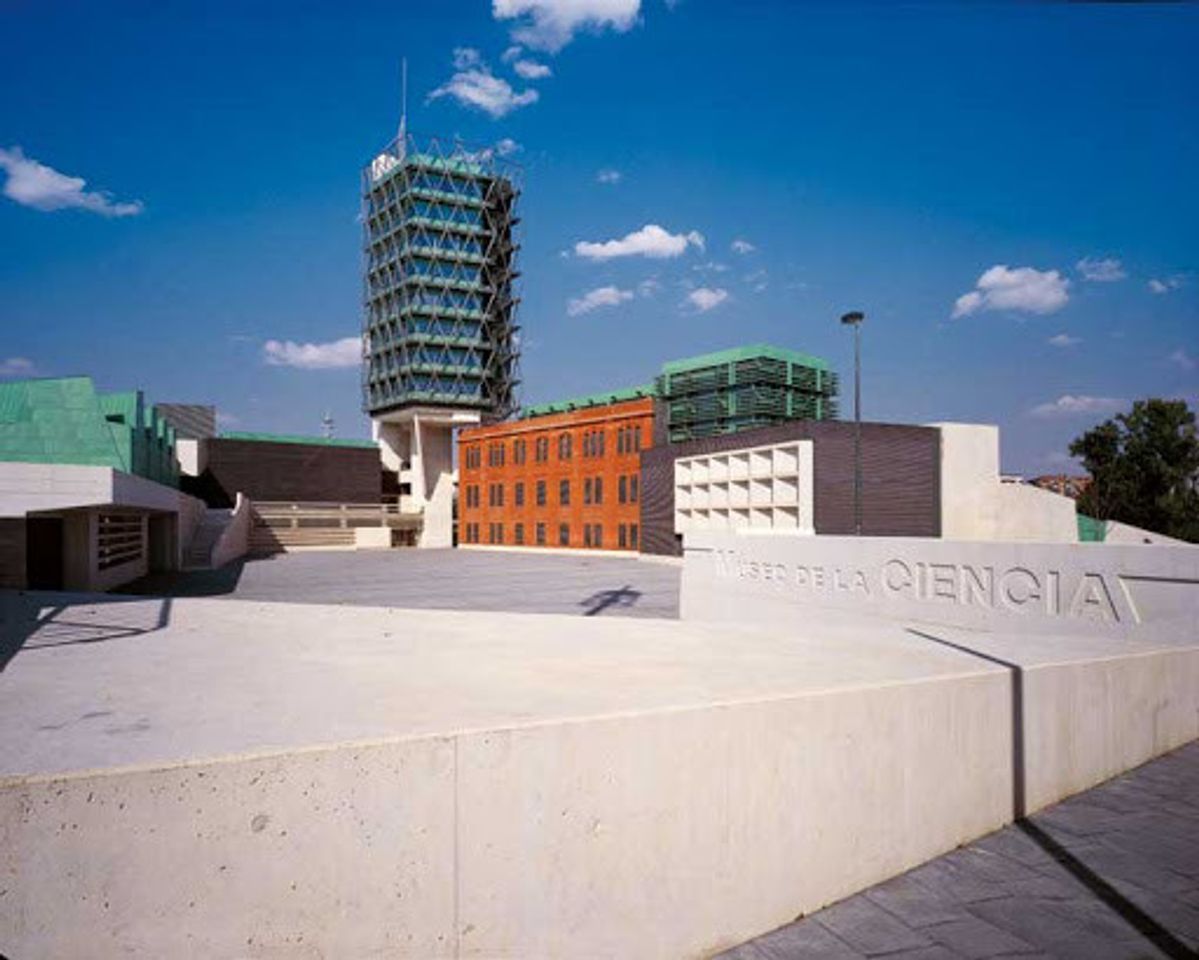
{"x":753,"y":351}
{"x":295,"y":438}
{"x":728,"y":391}
{"x":64,"y":420}
{"x":591,"y":400}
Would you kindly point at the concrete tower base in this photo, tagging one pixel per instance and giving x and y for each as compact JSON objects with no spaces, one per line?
{"x":418,"y":443}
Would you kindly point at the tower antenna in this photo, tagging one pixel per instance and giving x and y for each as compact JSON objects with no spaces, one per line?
{"x":403,"y":104}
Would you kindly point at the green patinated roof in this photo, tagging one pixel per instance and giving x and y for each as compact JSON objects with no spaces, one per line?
{"x":296,"y":438}
{"x":753,"y":351}
{"x":63,"y":420}
{"x":591,"y":400}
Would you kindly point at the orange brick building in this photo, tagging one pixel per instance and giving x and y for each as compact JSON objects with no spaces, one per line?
{"x":567,"y":478}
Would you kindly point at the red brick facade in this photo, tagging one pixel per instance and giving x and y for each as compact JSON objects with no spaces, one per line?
{"x":561,"y":480}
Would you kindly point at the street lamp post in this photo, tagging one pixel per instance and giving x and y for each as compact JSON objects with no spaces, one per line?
{"x":854,"y":320}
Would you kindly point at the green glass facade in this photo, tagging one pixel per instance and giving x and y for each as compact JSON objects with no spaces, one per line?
{"x":440,"y":264}
{"x":64,"y":420}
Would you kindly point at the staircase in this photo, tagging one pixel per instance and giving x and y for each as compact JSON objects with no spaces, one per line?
{"x":199,"y":551}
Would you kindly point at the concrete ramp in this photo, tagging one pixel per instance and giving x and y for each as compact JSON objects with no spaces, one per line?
{"x":235,"y":779}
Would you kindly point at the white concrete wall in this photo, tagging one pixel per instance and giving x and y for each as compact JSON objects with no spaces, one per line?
{"x":969,"y":480}
{"x":1124,"y":533}
{"x":192,"y":456}
{"x":1025,"y":512}
{"x":372,"y":538}
{"x":234,"y":540}
{"x":976,"y":505}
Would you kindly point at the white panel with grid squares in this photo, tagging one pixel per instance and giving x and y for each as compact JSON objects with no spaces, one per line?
{"x":759,"y":488}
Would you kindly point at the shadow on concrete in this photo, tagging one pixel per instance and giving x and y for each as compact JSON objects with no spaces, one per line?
{"x":1128,"y":911}
{"x":189,"y":583}
{"x":597,"y":603}
{"x":31,"y":621}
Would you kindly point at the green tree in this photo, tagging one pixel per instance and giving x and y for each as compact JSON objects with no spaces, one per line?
{"x":1144,"y":466}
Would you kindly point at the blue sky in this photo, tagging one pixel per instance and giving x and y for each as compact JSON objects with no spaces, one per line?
{"x":1030,"y":168}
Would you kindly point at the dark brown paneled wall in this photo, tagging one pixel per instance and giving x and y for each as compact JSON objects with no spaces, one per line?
{"x":901,"y":478}
{"x":264,"y":470}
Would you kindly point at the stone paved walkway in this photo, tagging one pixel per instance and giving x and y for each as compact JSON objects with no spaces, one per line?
{"x":1111,"y":873}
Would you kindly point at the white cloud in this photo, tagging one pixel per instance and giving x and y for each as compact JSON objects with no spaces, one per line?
{"x":1165,"y":286}
{"x":1063,"y":340}
{"x":705,"y":298}
{"x":608,"y":176}
{"x":33,"y":184}
{"x":346,"y":352}
{"x":649,"y":286}
{"x":599,"y":297}
{"x":531,"y":70}
{"x":1070,"y":405}
{"x":711,"y":266}
{"x":474,"y":85}
{"x":227,"y":419}
{"x":1019,"y":288}
{"x":742,"y":246}
{"x":650,"y":241}
{"x":1182,"y":359}
{"x":1106,"y":270}
{"x":16,"y":367}
{"x":512,"y":53}
{"x":552,"y":24}
{"x":507,"y":146}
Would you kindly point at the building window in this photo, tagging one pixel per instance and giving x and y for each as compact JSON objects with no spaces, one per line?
{"x":564,"y":446}
{"x":541,"y":493}
{"x":622,"y":489}
{"x":541,"y":449}
{"x":621,"y":536}
{"x":473,"y":458}
{"x":495,"y":455}
{"x":495,"y":533}
{"x":564,"y":492}
{"x":519,"y":451}
{"x":519,"y":535}
{"x":599,"y":489}
{"x":541,"y":534}
{"x":586,"y":534}
{"x":637,"y":438}
{"x":519,"y":495}
{"x":564,"y":534}
{"x":587,"y":490}
{"x":633,"y":537}
{"x":597,"y":535}
{"x":495,"y":494}
{"x":634,"y":482}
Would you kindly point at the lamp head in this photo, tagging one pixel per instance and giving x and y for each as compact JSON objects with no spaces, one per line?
{"x":853,"y":318}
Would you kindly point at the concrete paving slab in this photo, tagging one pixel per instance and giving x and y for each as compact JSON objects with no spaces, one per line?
{"x":591,"y":585}
{"x":133,"y":682}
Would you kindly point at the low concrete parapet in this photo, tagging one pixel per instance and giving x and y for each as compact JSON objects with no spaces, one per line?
{"x":503,"y":785}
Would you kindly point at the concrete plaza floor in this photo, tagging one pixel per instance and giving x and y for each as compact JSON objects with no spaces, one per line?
{"x":518,"y":582}
{"x":1110,"y":873}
